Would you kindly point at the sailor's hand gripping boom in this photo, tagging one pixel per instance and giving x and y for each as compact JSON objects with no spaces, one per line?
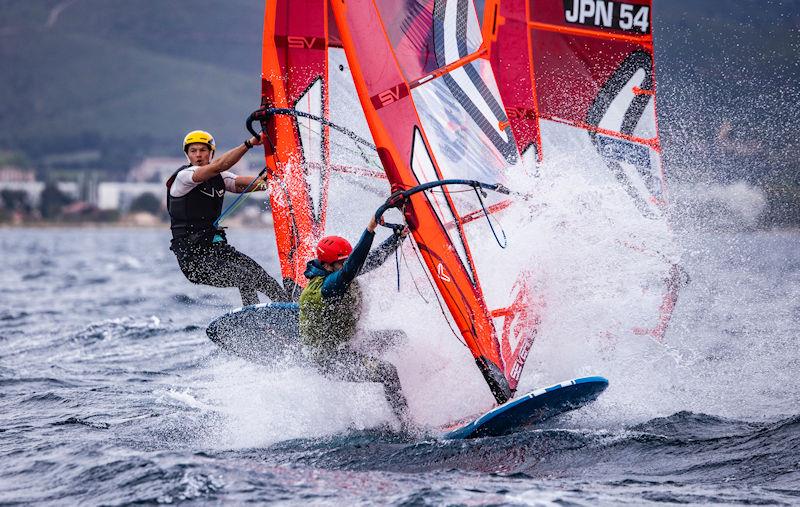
{"x":400,"y":197}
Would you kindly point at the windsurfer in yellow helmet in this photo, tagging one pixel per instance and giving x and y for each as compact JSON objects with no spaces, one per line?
{"x":195,"y":193}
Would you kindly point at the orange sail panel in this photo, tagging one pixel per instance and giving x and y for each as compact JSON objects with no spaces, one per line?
{"x":294,"y":66}
{"x":315,"y":170}
{"x":434,"y":110}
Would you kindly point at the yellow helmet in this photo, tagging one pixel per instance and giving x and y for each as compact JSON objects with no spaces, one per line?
{"x":199,"y":136}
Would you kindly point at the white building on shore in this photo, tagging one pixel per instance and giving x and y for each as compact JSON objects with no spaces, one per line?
{"x":158,"y":169}
{"x":119,"y":195}
{"x":154,"y":169}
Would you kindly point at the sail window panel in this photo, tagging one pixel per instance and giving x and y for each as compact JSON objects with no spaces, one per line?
{"x":424,"y":171}
{"x":312,"y":143}
{"x":497,"y":268}
{"x":469,"y":135}
{"x":355,"y":168}
{"x":505,"y":280}
{"x":614,"y":117}
{"x":311,"y":134}
{"x":646,"y":126}
{"x":345,"y":110}
{"x":637,"y":166}
{"x":351,"y":200}
{"x":429,"y":34}
{"x":462,"y":123}
{"x":644,"y":183}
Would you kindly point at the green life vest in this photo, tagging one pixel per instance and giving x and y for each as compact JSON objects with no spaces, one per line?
{"x":326,"y":324}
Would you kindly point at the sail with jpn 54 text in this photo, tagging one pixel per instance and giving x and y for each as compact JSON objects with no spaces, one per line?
{"x":578,"y":76}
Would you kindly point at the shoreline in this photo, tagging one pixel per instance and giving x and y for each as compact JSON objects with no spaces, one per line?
{"x":113,"y":225}
{"x":269,"y":225}
{"x":132,"y":222}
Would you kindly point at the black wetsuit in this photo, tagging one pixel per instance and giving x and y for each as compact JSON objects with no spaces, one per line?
{"x":203,"y":253}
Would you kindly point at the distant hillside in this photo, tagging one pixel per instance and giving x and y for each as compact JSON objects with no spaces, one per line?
{"x":121,"y":79}
{"x":126,"y":78}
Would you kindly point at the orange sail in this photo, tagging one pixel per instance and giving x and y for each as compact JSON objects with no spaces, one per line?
{"x":434,"y":111}
{"x":313,"y":162}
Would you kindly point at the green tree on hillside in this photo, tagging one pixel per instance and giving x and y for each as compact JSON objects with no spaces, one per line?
{"x":52,"y":201}
{"x":15,"y":200}
{"x":146,"y":202}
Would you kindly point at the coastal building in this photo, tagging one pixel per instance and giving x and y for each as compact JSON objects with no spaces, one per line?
{"x":150,"y":175}
{"x":113,"y":195}
{"x":16,"y":174}
{"x":158,"y":169}
{"x":154,"y":169}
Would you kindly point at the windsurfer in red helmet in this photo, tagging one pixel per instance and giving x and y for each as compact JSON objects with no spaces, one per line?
{"x":330,"y":308}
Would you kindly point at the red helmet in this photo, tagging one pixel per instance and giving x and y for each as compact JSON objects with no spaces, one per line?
{"x":333,"y":248}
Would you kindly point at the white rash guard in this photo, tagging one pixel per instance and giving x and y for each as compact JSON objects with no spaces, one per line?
{"x":184,"y":183}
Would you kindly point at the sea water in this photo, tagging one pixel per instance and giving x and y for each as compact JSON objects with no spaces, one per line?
{"x":111,"y":392}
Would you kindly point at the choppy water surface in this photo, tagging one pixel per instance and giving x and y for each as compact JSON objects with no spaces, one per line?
{"x":111,"y":393}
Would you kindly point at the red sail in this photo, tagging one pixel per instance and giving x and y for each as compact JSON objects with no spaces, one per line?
{"x":294,"y":64}
{"x":433,"y":108}
{"x":316,"y":166}
{"x":580,"y":75}
{"x":507,"y":24}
